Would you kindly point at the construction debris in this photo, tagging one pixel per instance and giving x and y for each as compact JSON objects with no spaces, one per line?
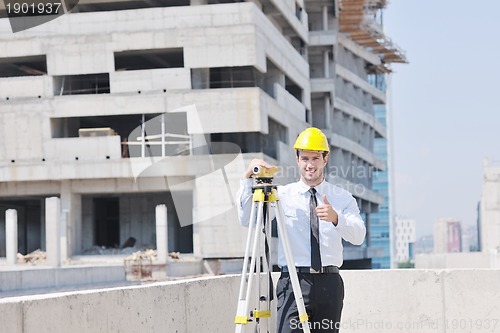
{"x":175,"y":255}
{"x":146,"y":254}
{"x":139,"y":265}
{"x":36,"y":257}
{"x":143,"y":265}
{"x":102,"y":250}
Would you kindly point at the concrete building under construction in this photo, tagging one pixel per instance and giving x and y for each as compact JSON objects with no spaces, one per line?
{"x":114,"y":107}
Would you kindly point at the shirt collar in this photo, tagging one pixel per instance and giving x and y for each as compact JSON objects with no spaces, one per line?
{"x":304,"y":188}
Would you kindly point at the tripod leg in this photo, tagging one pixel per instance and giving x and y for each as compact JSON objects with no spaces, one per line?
{"x":243,"y":303}
{"x":241,"y":313}
{"x":257,"y":270}
{"x":262,"y":312}
{"x":256,"y":242}
{"x":297,"y":292}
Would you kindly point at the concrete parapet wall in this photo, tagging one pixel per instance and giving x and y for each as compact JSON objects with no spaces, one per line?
{"x":348,"y":75}
{"x":15,"y":278}
{"x":150,"y":79}
{"x":189,"y":306}
{"x":86,"y":149}
{"x":421,"y":301}
{"x":26,"y":86}
{"x":289,"y":103}
{"x":457,"y":260}
{"x":376,"y":301}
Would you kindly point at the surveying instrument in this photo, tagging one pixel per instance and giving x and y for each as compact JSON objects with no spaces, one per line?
{"x":265,"y":195}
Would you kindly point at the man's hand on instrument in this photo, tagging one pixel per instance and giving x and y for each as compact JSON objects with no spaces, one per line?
{"x":255,"y":162}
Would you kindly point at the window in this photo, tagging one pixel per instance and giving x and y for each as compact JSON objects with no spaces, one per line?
{"x":98,"y":6}
{"x":233,"y":77}
{"x":149,"y":59}
{"x":293,"y":88}
{"x":81,"y":84}
{"x":298,"y":12}
{"x":23,"y":66}
{"x":251,"y":142}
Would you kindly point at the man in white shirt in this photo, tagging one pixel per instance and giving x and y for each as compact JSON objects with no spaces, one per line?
{"x":317,"y":215}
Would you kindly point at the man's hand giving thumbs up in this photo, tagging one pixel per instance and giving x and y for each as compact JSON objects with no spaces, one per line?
{"x":326,"y":213}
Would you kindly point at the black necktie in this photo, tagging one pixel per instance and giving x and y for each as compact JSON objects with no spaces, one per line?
{"x":315,"y":253}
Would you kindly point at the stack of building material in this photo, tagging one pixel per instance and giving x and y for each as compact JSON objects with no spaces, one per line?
{"x":36,"y":257}
{"x":139,"y":265}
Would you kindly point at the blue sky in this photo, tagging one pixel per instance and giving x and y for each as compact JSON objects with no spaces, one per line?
{"x":446,"y":105}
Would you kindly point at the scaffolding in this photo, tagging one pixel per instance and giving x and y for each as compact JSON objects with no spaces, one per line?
{"x":358,"y":19}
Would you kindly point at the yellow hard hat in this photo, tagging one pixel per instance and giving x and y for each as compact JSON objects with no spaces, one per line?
{"x":312,"y":139}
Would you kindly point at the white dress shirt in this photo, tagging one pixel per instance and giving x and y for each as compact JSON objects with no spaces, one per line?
{"x":294,"y":199}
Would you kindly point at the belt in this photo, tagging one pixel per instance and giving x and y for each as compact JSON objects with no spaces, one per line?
{"x":324,"y":269}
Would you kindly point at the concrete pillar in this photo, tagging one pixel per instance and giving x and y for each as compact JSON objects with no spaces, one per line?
{"x":333,"y":73}
{"x":257,"y":3}
{"x":328,"y":112}
{"x":162,"y":233}
{"x":325,"y":18}
{"x":11,"y":235}
{"x":53,"y":231}
{"x":200,"y":78}
{"x":63,"y":234}
{"x":273,"y":75}
{"x":326,"y":64}
{"x":71,"y":222}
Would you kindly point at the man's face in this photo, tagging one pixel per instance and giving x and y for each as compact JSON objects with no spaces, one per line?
{"x":311,"y":166}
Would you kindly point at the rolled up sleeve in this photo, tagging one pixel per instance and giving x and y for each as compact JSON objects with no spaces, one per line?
{"x":350,"y":224}
{"x":244,"y":201}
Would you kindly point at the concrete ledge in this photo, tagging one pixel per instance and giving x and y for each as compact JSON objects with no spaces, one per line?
{"x":26,"y":86}
{"x":187,"y":306}
{"x":322,"y":38}
{"x":375,"y":301}
{"x":361,"y":115}
{"x":358,"y":50}
{"x":421,"y":301}
{"x":86,"y":149}
{"x":346,"y":74}
{"x":184,"y":268}
{"x":289,"y":103}
{"x":458,"y":260}
{"x":357,"y":149}
{"x":150,"y":79}
{"x":16,"y":278}
{"x":322,"y":85}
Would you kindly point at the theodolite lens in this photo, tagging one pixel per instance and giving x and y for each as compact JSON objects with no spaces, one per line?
{"x":261,"y":172}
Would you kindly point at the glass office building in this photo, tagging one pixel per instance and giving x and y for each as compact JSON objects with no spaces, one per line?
{"x":380,"y":221}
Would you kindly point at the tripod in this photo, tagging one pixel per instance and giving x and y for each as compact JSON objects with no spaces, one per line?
{"x":264,"y":196}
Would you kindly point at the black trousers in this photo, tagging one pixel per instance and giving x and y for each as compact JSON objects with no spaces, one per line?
{"x":323,"y":297}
